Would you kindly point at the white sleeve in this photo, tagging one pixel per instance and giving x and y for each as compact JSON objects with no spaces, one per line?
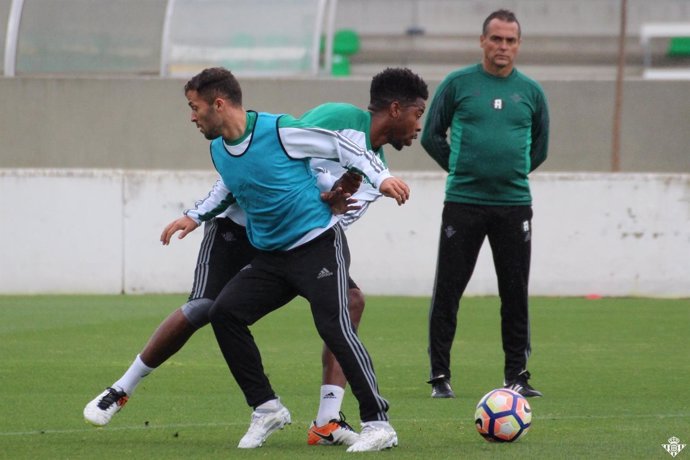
{"x":215,"y":203}
{"x":324,"y":179}
{"x":322,"y":143}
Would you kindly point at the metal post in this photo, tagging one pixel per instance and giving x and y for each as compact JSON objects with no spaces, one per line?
{"x":330,"y":33}
{"x":165,"y":39}
{"x":12,"y":37}
{"x":617,"y":112}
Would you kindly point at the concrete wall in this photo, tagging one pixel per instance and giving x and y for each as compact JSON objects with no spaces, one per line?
{"x":537,"y":17}
{"x":96,"y":231}
{"x":86,"y":215}
{"x":142,"y":123}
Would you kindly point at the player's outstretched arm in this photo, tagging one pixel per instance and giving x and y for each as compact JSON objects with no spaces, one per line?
{"x":183,"y":224}
{"x":395,"y":188}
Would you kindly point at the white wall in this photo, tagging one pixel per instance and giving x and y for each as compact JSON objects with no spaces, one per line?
{"x":622,"y":235}
{"x":96,"y":231}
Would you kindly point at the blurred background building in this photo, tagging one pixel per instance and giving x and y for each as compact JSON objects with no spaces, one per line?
{"x":563,"y":38}
{"x":97,"y":152}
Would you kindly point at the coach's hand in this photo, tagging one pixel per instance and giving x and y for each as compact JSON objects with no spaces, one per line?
{"x":395,"y":188}
{"x":184,"y":225}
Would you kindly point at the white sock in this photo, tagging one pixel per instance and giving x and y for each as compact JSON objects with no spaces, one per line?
{"x":330,"y":404}
{"x":378,"y":424}
{"x":137,"y":371}
{"x":270,"y":406}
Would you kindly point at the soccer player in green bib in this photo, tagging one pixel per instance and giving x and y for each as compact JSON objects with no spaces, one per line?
{"x":397,"y":103}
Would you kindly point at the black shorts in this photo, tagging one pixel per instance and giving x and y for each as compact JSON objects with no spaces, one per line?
{"x":351,"y":284}
{"x":225,"y":250}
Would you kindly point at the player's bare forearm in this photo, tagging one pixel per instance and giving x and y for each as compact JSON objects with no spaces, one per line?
{"x":183,"y":224}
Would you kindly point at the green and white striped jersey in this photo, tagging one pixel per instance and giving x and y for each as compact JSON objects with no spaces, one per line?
{"x":348,"y":121}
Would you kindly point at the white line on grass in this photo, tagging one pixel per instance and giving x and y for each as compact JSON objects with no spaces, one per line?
{"x":307,"y":422}
{"x":122,"y":428}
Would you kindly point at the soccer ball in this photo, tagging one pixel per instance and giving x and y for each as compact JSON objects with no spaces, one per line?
{"x":503,"y":415}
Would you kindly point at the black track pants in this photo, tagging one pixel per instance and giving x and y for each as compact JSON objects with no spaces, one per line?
{"x":318,"y":271}
{"x":463,"y":229}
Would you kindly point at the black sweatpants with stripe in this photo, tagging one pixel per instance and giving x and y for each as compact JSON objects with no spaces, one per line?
{"x":224,"y":251}
{"x":317,"y":271}
{"x":463,"y":230}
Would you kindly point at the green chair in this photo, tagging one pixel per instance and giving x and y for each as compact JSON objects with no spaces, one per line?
{"x":679,"y":47}
{"x":345,"y":45}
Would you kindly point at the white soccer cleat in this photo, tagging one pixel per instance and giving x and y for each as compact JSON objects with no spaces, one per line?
{"x":264,"y":423}
{"x":375,"y":436}
{"x":103,"y":407}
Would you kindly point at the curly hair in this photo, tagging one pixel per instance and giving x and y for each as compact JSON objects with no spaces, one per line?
{"x":396,"y":84}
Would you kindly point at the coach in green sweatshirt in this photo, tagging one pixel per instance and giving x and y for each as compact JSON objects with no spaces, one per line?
{"x":499,"y":128}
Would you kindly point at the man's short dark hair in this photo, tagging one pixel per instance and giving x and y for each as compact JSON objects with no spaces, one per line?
{"x":396,"y":84}
{"x":503,"y":15}
{"x":215,"y":82}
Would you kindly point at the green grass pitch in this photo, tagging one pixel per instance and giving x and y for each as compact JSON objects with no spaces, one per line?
{"x":615,"y":374}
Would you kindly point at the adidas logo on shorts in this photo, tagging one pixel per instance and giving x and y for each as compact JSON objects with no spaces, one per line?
{"x":324,"y":273}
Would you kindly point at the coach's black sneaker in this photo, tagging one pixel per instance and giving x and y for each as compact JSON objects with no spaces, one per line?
{"x":440,"y":387}
{"x":520,"y":385}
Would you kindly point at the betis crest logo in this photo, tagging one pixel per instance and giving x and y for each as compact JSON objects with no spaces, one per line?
{"x":674,"y":446}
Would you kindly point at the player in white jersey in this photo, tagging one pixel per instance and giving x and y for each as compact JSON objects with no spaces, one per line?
{"x":389,"y":120}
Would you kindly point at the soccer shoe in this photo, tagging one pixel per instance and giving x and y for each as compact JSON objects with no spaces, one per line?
{"x":102,"y":408}
{"x":375,"y":436}
{"x":440,"y":388}
{"x":520,"y":385}
{"x":333,"y":433}
{"x":264,"y":423}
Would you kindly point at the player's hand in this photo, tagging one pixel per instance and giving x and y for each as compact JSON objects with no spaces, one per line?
{"x":349,"y":182}
{"x":395,"y":188}
{"x":184,"y":225}
{"x":339,"y":201}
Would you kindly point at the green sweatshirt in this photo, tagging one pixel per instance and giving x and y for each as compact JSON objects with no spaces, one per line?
{"x":499,"y":132}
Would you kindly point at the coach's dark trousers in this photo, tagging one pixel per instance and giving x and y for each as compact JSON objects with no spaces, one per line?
{"x":318,"y":271}
{"x":463,"y":230}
